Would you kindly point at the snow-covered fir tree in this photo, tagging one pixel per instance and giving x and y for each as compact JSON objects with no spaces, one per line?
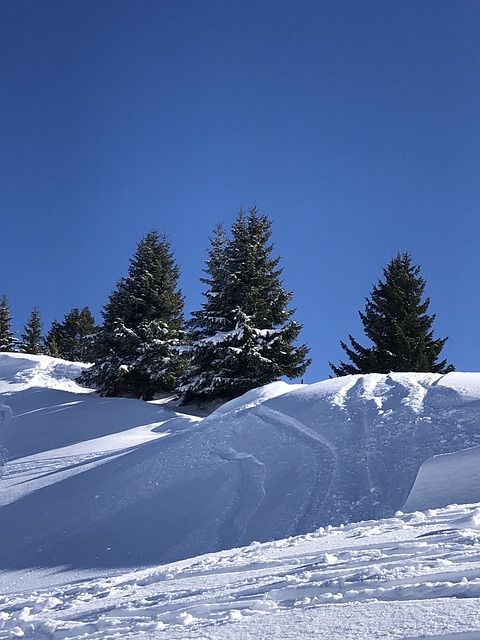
{"x":72,"y":338}
{"x":243,"y":337}
{"x":32,"y":339}
{"x":8,"y":341}
{"x":397,"y":324}
{"x":140,"y":347}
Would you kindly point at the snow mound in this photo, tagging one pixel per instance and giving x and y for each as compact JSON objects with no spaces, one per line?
{"x":22,"y":371}
{"x":445,"y":479}
{"x":111,"y":482}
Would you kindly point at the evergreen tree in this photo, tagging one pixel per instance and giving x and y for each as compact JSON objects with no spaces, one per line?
{"x":87,"y":329}
{"x":32,"y":338}
{"x":213,"y":316}
{"x":72,"y":339}
{"x":140,"y":347}
{"x":397,"y":324}
{"x":51,"y":340}
{"x":8,"y":342}
{"x":243,"y":336}
{"x":51,"y":347}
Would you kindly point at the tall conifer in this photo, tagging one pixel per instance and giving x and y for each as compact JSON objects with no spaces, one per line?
{"x":32,"y":338}
{"x":72,"y":338}
{"x":139,"y":348}
{"x":8,"y":341}
{"x":243,"y":335}
{"x":397,"y":324}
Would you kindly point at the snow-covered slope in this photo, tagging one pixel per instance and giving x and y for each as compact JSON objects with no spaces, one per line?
{"x":412,"y":576}
{"x":94,"y":487}
{"x":96,"y":482}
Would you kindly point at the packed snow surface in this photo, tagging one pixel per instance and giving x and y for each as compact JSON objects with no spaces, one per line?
{"x":322,"y":475}
{"x":412,"y":576}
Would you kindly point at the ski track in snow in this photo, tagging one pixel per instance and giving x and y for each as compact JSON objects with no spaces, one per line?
{"x":282,"y":421}
{"x":412,"y":557}
{"x":340,"y":396}
{"x":250,"y":494}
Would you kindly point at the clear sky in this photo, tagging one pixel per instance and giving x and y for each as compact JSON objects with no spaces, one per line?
{"x":354,"y":125}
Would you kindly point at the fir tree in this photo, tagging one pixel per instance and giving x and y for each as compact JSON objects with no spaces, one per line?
{"x":51,"y":347}
{"x":86,"y":332}
{"x":139,"y":347}
{"x":8,"y":342}
{"x":214,"y":315}
{"x":72,"y":338}
{"x":397,"y":324}
{"x":51,"y":340}
{"x":32,"y":338}
{"x":243,"y":337}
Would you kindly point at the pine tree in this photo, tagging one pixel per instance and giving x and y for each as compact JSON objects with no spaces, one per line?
{"x":72,"y":338}
{"x":32,"y":338}
{"x":8,"y":342}
{"x":213,"y":316}
{"x":51,"y":347}
{"x":64,"y":335}
{"x":86,"y":331}
{"x":397,"y":324}
{"x":51,"y":340}
{"x":243,"y":337}
{"x":139,"y":348}
{"x":208,"y":325}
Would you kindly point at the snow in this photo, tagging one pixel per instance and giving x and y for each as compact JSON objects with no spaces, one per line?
{"x":296,"y":511}
{"x":415,"y":575}
{"x":445,"y":479}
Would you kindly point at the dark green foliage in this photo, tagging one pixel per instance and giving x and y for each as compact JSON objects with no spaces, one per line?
{"x":51,"y":347}
{"x":8,"y":342}
{"x":72,"y":339}
{"x":51,"y":340}
{"x":243,"y":337}
{"x":214,"y":315}
{"x":139,"y":348}
{"x":86,"y":331}
{"x":32,"y":339}
{"x":397,"y":324}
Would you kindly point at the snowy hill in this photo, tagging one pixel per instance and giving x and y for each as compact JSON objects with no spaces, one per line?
{"x":118,"y":482}
{"x":94,"y":486}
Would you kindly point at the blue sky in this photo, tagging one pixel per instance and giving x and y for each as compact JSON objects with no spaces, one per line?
{"x":354,"y":125}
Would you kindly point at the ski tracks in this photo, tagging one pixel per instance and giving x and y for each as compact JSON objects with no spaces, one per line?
{"x":250,"y":494}
{"x":253,"y":473}
{"x":393,"y":560}
{"x":283,"y":421}
{"x":279,"y":419}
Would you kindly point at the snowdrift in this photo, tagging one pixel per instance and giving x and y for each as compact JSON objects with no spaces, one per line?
{"x":96,"y":482}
